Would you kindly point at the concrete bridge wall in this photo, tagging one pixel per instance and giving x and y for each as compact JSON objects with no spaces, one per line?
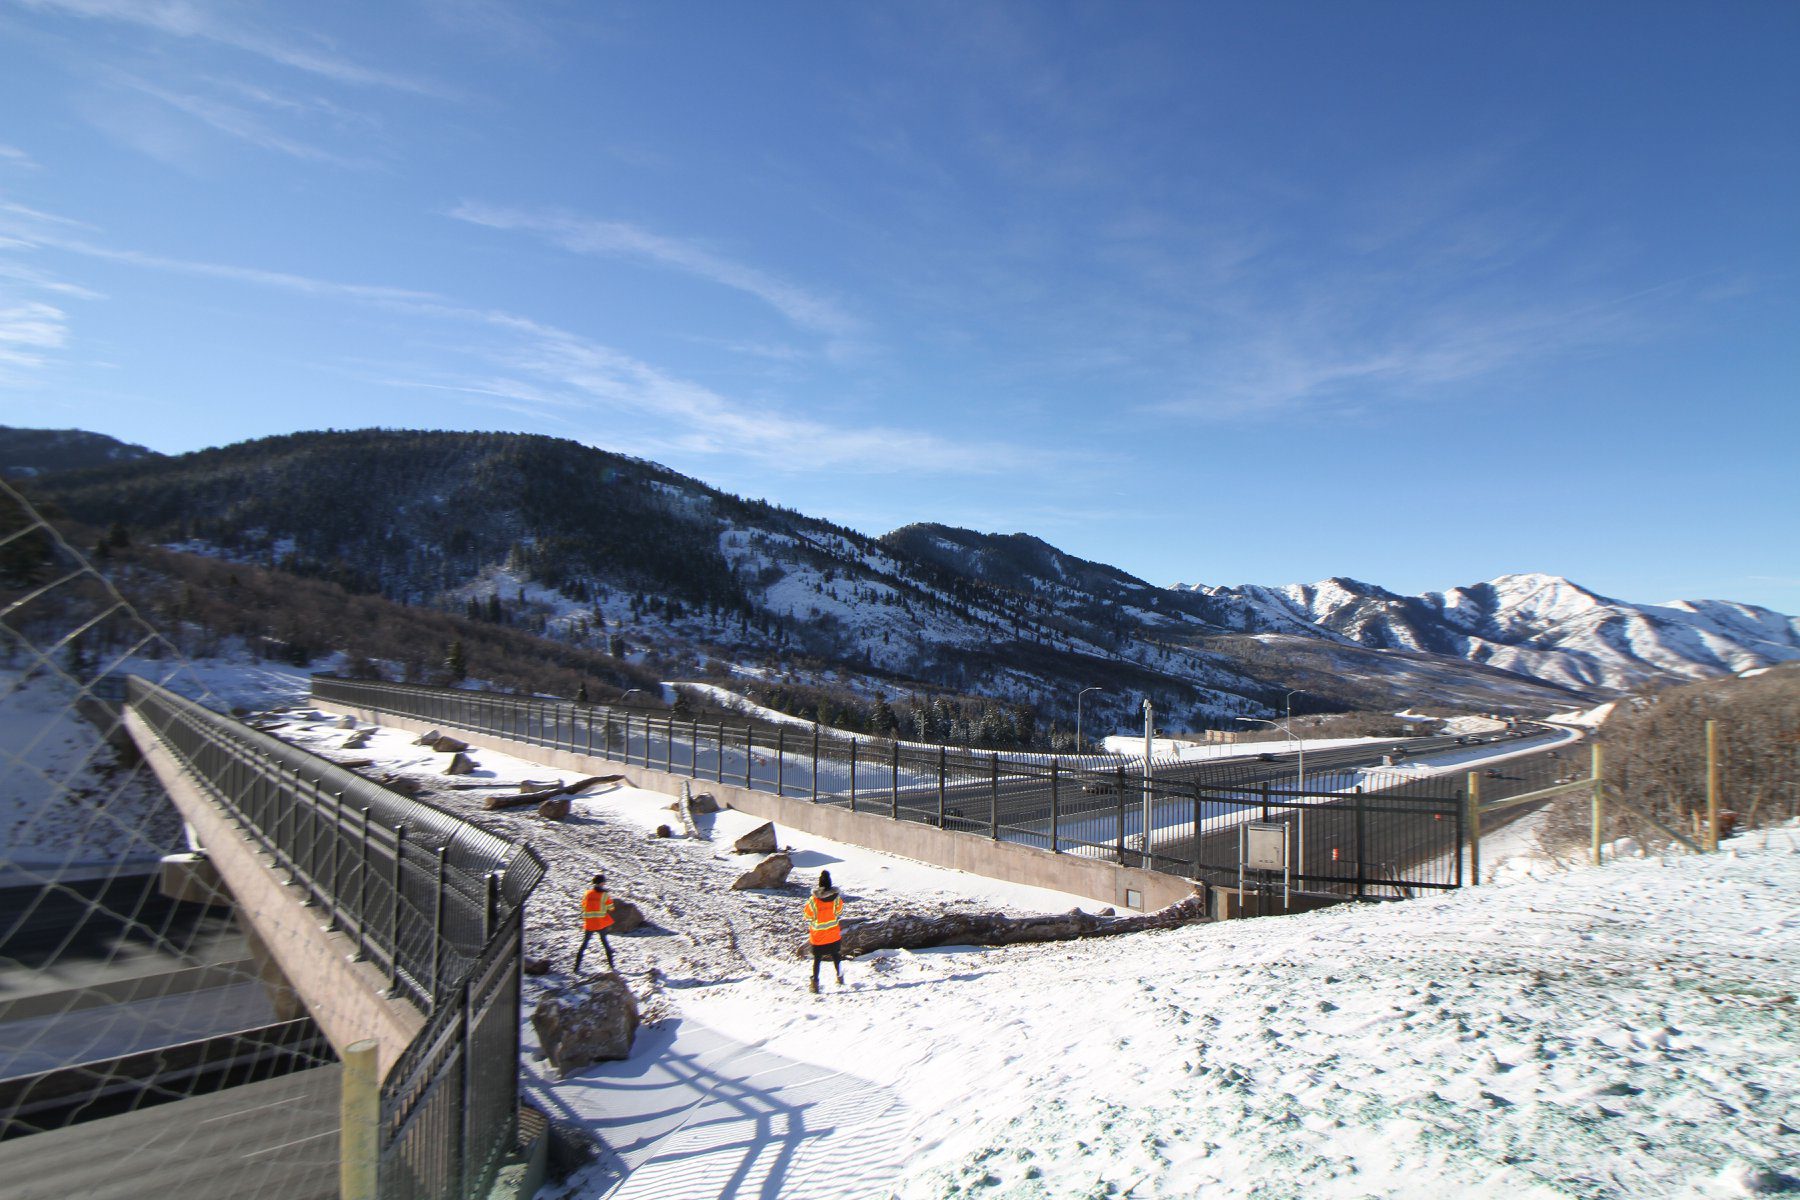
{"x":347,"y":998}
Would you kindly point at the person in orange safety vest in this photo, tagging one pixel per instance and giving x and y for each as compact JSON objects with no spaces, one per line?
{"x":824,"y":909}
{"x":596,"y":917}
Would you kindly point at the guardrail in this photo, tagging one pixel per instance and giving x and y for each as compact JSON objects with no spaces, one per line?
{"x":1392,"y":840}
{"x":434,"y":902}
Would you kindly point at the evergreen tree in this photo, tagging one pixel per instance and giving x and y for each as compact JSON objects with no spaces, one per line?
{"x":882,"y":720}
{"x":456,"y":663}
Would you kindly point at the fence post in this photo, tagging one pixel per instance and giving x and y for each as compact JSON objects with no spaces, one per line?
{"x":359,"y":1114}
{"x":362,"y":894}
{"x":1461,"y":813}
{"x":590,"y":733}
{"x":490,"y":913}
{"x":1262,"y":790}
{"x":337,"y":858}
{"x":437,"y":925}
{"x":693,"y":749}
{"x":1598,"y":814}
{"x":1119,"y":791}
{"x":1197,"y":830}
{"x":668,"y":745}
{"x":1362,"y":821}
{"x":719,"y":758}
{"x":394,"y":908}
{"x":1474,"y":824}
{"x":994,"y":798}
{"x":749,"y":755}
{"x":853,"y":774}
{"x":1055,"y":848}
{"x":1712,"y":785}
{"x":780,"y":758}
{"x":606,"y":736}
{"x":942,"y":764}
{"x":894,"y":783}
{"x":815,"y":765}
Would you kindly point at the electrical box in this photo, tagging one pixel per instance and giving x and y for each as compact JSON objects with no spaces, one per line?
{"x":1265,"y":846}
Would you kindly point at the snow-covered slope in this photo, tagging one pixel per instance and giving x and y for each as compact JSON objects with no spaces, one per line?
{"x":1538,"y":625}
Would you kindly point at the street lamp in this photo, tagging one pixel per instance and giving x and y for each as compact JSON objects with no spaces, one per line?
{"x":1079,"y":744}
{"x":1287,"y":727}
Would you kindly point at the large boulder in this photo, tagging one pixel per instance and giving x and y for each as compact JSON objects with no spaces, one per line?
{"x":626,"y":916}
{"x":704,"y":803}
{"x":591,"y":1021}
{"x":760,"y":840}
{"x":449,"y":745}
{"x":425,"y":739}
{"x":459,"y":764}
{"x":554,"y":809}
{"x":771,"y":872}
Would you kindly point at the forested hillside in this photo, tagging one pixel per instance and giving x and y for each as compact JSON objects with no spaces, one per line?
{"x":602,"y":551}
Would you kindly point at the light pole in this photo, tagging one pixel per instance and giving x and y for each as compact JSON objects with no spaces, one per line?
{"x":1079,"y":744}
{"x":1149,"y":781}
{"x":1287,"y":727}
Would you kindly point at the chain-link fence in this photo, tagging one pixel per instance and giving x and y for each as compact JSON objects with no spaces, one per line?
{"x":120,"y":1001}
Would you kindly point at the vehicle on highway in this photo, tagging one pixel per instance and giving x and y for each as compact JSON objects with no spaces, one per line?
{"x":1468,"y":739}
{"x":1492,"y":773}
{"x":1099,"y":787}
{"x":1265,"y":756}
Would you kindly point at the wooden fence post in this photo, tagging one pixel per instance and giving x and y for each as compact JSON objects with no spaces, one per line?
{"x":359,"y":1114}
{"x":1474,"y":803}
{"x":1598,"y":816}
{"x":1712,"y":785}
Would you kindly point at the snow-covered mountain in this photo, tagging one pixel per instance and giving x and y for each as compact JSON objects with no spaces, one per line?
{"x":630,"y":558}
{"x":1542,"y":626}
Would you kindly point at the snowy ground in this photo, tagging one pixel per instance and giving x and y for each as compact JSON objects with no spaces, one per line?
{"x":1627,"y":1031}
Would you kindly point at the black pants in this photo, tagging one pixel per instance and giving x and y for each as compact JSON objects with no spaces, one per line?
{"x":604,"y":945}
{"x":828,"y":950}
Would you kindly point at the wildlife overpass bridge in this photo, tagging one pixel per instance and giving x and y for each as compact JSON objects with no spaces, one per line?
{"x":398,"y":928}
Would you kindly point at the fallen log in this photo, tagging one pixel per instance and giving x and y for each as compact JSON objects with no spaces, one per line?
{"x":916,"y":931}
{"x":567,"y":789}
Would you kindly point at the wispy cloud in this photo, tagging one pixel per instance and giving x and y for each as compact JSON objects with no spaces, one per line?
{"x":28,"y":329}
{"x":191,"y":19}
{"x":552,"y":374}
{"x":619,"y":239}
{"x":549,"y":374}
{"x":232,"y":120}
{"x":282,"y":280}
{"x":12,"y":156}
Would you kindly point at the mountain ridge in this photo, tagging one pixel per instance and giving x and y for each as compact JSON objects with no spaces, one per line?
{"x":1542,"y":625}
{"x":600,"y":548}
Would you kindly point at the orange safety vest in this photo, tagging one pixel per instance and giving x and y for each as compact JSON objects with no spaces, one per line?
{"x":596,"y":911}
{"x":822,"y":920}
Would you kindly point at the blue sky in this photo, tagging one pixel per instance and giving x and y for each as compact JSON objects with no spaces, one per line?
{"x":1225,"y":293}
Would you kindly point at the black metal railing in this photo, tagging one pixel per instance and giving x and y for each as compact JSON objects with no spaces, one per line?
{"x":1349,"y":837}
{"x":435,"y":903}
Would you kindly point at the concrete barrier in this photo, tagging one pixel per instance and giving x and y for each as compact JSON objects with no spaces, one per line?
{"x":1108,"y":883}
